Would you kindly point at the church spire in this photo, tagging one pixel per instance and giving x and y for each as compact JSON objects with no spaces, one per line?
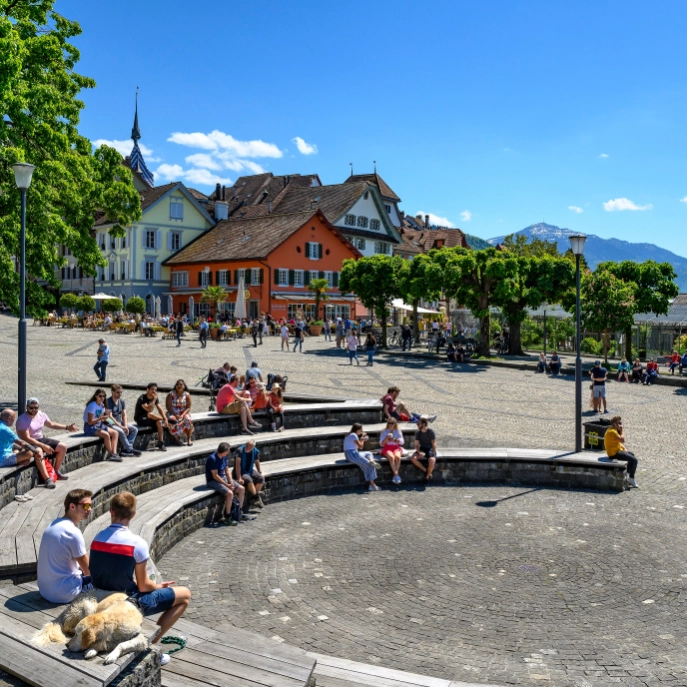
{"x":136,"y":132}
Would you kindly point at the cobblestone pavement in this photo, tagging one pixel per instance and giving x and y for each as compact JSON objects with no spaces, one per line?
{"x":597,"y":602}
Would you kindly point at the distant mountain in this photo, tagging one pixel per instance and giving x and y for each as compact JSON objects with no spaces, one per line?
{"x":476,"y":243}
{"x":598,"y":250}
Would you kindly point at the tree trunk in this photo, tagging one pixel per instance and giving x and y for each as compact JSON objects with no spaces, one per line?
{"x":317,"y":306}
{"x":604,"y":339}
{"x":628,"y":343}
{"x":484,"y":345}
{"x":383,"y":318}
{"x":515,"y":341}
{"x":416,"y":328}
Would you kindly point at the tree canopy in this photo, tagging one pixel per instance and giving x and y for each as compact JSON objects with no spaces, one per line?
{"x":39,"y":90}
{"x":420,"y":278}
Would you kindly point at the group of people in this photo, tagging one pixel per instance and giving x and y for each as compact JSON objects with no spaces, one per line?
{"x":552,"y":364}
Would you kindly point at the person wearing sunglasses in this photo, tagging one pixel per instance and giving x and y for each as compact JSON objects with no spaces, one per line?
{"x":63,"y":557}
{"x":30,"y":429}
{"x":95,"y":424}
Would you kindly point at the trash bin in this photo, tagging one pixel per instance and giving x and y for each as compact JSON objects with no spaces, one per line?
{"x":594,"y":433}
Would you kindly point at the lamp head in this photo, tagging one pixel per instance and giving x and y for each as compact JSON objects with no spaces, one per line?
{"x":23,"y":172}
{"x":577,"y":244}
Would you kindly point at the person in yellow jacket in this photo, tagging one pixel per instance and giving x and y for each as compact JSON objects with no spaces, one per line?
{"x":615,"y":448}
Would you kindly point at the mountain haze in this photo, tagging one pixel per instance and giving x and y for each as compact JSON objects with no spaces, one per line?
{"x":598,"y":250}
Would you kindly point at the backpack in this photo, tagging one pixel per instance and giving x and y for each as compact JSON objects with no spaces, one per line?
{"x":236,"y":512}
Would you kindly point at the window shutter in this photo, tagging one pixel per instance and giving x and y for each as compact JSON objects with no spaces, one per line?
{"x":158,"y":239}
{"x":228,"y":276}
{"x":169,"y":240}
{"x":321,"y":275}
{"x":236,"y":277}
{"x":143,"y":269}
{"x":209,"y":278}
{"x":200,"y":278}
{"x":307,"y":250}
{"x":143,"y":237}
{"x":276,"y":277}
{"x":306,"y":277}
{"x":319,"y":252}
{"x":262,"y":275}
{"x":335,"y":279}
{"x":291,"y":277}
{"x":217,"y":279}
{"x":249,"y":274}
{"x":157,"y":270}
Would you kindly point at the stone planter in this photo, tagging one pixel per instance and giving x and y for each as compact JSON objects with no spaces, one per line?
{"x":315,"y":329}
{"x":214,"y":333}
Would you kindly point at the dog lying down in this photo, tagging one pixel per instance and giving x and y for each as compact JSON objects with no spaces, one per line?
{"x":112,"y":626}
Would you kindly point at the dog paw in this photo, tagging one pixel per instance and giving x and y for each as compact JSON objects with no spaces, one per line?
{"x":91,"y":653}
{"x":111,"y":657}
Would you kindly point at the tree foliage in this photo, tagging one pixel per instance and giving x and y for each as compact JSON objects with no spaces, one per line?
{"x":319,"y":288}
{"x":39,"y":98}
{"x":375,"y":281}
{"x":214,"y":295}
{"x":86,"y":303}
{"x":136,"y":305}
{"x":420,"y":278}
{"x":112,"y":305}
{"x":69,"y":301}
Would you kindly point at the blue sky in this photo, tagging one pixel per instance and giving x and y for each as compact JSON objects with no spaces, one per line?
{"x":493,"y":115}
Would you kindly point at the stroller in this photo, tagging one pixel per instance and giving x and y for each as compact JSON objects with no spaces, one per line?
{"x":276,"y":379}
{"x":213,"y":381}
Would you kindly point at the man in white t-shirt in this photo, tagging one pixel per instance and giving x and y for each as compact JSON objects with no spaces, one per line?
{"x":63,"y":558}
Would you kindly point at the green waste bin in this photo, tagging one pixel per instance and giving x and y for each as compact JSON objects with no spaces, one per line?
{"x":594,"y":433}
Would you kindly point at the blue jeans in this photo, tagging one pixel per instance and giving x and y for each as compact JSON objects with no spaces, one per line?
{"x":297,"y":343}
{"x":370,"y":356}
{"x":100,"y":369}
{"x":127,"y":440}
{"x":353,"y":354}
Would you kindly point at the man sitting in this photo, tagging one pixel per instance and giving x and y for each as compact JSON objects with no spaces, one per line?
{"x":253,"y":372}
{"x":615,"y":449}
{"x":14,"y":451}
{"x":397,"y":410}
{"x":683,"y":361}
{"x":651,"y":372}
{"x":425,"y":447}
{"x":247,"y":471}
{"x":63,"y":557}
{"x":233,"y":402}
{"x":217,"y":478}
{"x":119,"y":563}
{"x":674,"y":361}
{"x":150,"y":413}
{"x":127,"y":432}
{"x":30,"y":429}
{"x":637,"y":371}
{"x":555,"y":363}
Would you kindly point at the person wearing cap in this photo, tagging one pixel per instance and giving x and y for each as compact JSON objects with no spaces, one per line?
{"x":100,"y":368}
{"x":425,"y":447}
{"x":30,"y":429}
{"x":615,"y":449}
{"x":599,"y":375}
{"x":248,"y":473}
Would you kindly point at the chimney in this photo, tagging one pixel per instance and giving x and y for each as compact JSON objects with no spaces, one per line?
{"x":217,"y":192}
{"x":224,"y":192}
{"x":221,"y":210}
{"x":427,"y":221}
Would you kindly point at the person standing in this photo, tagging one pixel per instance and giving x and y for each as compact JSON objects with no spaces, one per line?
{"x":406,"y":338}
{"x":615,"y":448}
{"x":103,"y":361}
{"x":352,"y":348}
{"x":339,"y":331}
{"x":203,"y":332}
{"x":599,"y":375}
{"x":62,"y":569}
{"x":179,"y":329}
{"x":298,"y":336}
{"x":370,"y":348}
{"x":328,"y":329}
{"x":353,"y":444}
{"x":284,"y":336}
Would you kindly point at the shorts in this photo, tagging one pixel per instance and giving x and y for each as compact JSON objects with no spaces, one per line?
{"x":147,"y":422}
{"x":428,"y":452}
{"x":90,"y":430}
{"x":8,"y":461}
{"x":233,"y":408}
{"x":256,"y":478}
{"x":49,"y":441}
{"x":157,"y":601}
{"x":599,"y":390}
{"x":222,"y":488}
{"x":390,"y":448}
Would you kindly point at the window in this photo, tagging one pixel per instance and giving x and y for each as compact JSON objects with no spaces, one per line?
{"x":175,"y":240}
{"x":313,"y":275}
{"x":293,"y":310}
{"x":298,"y":277}
{"x":255,"y":275}
{"x":102,"y":241}
{"x":112,"y":270}
{"x":282,"y":277}
{"x":150,"y":238}
{"x":388,"y":208}
{"x":201,"y":309}
{"x":179,"y":278}
{"x":176,"y":208}
{"x":350,"y":220}
{"x":223,"y":278}
{"x":204,"y":278}
{"x":124,"y":238}
{"x":362,"y":221}
{"x":150,"y":269}
{"x":329,"y":276}
{"x":113,"y":243}
{"x":313,"y":250}
{"x":381,"y":247}
{"x":375,"y":224}
{"x":360,"y":244}
{"x":124,"y":269}
{"x":227,"y":307}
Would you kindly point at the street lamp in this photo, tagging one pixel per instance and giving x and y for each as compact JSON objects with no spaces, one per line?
{"x":577,"y":247}
{"x":22,"y":176}
{"x":545,"y":306}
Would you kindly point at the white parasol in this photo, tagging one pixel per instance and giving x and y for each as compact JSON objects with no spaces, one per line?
{"x":191,"y":313}
{"x":240,"y":310}
{"x":170,"y":305}
{"x":158,"y":308}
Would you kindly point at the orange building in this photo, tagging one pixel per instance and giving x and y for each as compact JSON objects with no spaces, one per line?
{"x":278,"y":256}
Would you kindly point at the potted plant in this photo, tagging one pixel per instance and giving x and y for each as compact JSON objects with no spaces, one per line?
{"x":319,"y":288}
{"x":214,"y":330}
{"x":316,"y":327}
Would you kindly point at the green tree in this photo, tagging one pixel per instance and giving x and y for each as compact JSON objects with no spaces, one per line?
{"x":319,"y":288}
{"x":518,"y":245}
{"x":375,"y":281}
{"x":136,"y":305}
{"x":69,"y":301}
{"x":214,"y":295}
{"x":39,"y":98}
{"x":112,"y":305}
{"x":86,"y":303}
{"x":421,"y":277}
{"x":653,"y":286}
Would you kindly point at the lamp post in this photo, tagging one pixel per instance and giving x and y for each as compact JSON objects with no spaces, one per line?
{"x":577,"y":247}
{"x":22,"y":176}
{"x":545,"y":305}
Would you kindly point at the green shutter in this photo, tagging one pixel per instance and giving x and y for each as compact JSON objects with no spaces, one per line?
{"x":335,"y":279}
{"x":236,"y":277}
{"x":291,"y":277}
{"x":262,"y":275}
{"x":319,"y":246}
{"x":276,"y":277}
{"x":217,"y":279}
{"x":307,"y":249}
{"x":321,"y":275}
{"x":200,"y":278}
{"x":248,"y":276}
{"x":209,"y":278}
{"x":228,"y":277}
{"x":306,"y":277}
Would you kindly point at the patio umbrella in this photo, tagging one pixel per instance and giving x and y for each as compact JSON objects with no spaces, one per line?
{"x":170,"y":305}
{"x":158,"y":308}
{"x":240,"y":310}
{"x":191,"y":313}
{"x":102,"y":297}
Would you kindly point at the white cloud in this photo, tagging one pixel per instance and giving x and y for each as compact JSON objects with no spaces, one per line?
{"x":202,"y":177}
{"x":218,"y":140}
{"x":603,"y":155}
{"x":303,"y":147}
{"x":574,"y":208}
{"x":466,"y":215}
{"x":620,"y":204}
{"x":435,"y":219}
{"x":124,"y":148}
{"x":203,"y":160}
{"x":683,"y":200}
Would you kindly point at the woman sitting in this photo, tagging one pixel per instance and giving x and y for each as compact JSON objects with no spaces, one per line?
{"x":624,"y":371}
{"x":353,"y":444}
{"x":541,"y":363}
{"x":275,"y":407}
{"x":95,"y":419}
{"x":179,"y":412}
{"x":391,"y":442}
{"x":451,"y":356}
{"x":555,"y":363}
{"x":637,"y":371}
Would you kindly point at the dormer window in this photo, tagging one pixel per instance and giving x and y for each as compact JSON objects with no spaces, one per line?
{"x":388,"y":208}
{"x":176,"y":208}
{"x":375,"y":224}
{"x":350,"y":220}
{"x":362,"y":221}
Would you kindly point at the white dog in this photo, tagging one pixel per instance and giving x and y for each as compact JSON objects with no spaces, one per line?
{"x":112,"y":625}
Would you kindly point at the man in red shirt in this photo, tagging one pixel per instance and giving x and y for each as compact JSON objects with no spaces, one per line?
{"x":675,"y":359}
{"x":651,"y":371}
{"x":392,"y":409}
{"x":233,"y":402}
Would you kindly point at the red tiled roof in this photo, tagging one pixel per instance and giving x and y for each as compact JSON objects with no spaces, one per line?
{"x":384,"y":188}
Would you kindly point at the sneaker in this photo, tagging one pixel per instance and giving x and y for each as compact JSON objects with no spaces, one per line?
{"x":21,"y":498}
{"x":258,"y":502}
{"x":49,"y":484}
{"x":161,"y":445}
{"x":396,"y":479}
{"x":606,"y":412}
{"x":273,"y":427}
{"x":633,"y":483}
{"x":255,"y":425}
{"x":229,"y":521}
{"x":61,"y":475}
{"x":281,"y":429}
{"x":165,"y":659}
{"x":115,"y":458}
{"x":28,"y":497}
{"x":246,"y":518}
{"x":135,"y":452}
{"x":126,"y":454}
{"x":374,"y":487}
{"x":246,"y":431}
{"x":432,"y":418}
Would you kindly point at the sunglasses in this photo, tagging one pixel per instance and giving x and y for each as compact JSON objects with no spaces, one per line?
{"x":86,"y":506}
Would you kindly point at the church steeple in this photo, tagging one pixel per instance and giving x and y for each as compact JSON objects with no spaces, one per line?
{"x":136,"y":161}
{"x":136,"y":132}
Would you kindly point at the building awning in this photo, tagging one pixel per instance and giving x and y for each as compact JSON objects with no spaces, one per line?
{"x":298,"y":298}
{"x":400,"y":305}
